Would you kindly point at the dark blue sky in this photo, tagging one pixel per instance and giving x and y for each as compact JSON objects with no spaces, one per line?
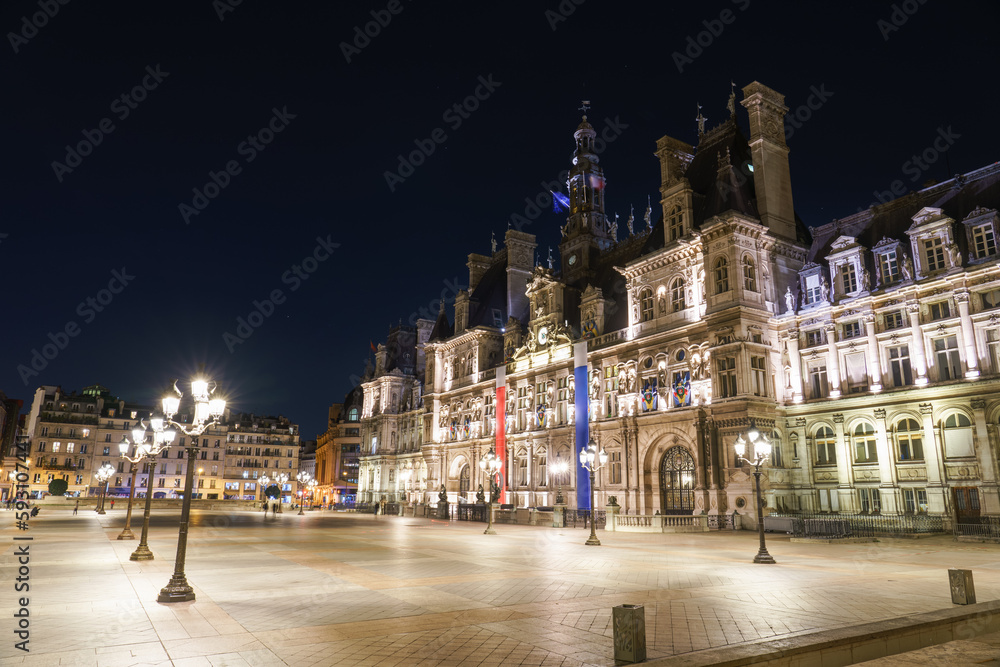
{"x":208,"y":88}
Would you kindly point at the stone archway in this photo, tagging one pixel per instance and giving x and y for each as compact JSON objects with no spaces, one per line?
{"x":677,"y":481}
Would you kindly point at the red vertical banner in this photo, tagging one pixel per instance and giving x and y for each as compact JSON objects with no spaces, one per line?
{"x":501,"y":427}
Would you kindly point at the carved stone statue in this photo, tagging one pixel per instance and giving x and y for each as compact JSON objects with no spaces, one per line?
{"x":631,"y":221}
{"x":494,"y":490}
{"x":493,"y":242}
{"x":480,"y":495}
{"x":865,"y":279}
{"x":956,"y":254}
{"x":907,"y":268}
{"x":824,"y":290}
{"x":443,"y":495}
{"x":789,"y":300}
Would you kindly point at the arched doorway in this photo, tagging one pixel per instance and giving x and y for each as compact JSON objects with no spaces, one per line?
{"x":677,"y":481}
{"x":464,"y":482}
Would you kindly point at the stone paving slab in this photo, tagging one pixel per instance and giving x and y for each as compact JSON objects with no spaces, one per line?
{"x":337,"y":589}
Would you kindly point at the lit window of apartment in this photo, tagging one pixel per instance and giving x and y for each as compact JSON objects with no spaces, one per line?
{"x":949,"y":363}
{"x":56,"y":446}
{"x":934,"y":254}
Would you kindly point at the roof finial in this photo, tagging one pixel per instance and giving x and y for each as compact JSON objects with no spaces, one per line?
{"x":701,"y":121}
{"x":585,"y":108}
{"x":631,"y":220}
{"x":731,"y":104}
{"x":493,"y":242}
{"x":648,"y":217}
{"x":550,"y":257}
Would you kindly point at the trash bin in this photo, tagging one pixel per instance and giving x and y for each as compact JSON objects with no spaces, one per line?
{"x":963,"y":591}
{"x":629,"y":621}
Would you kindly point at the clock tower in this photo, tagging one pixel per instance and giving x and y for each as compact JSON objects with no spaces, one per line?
{"x":586,"y":231}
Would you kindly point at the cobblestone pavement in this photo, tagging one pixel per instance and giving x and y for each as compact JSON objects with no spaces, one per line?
{"x":346,"y":589}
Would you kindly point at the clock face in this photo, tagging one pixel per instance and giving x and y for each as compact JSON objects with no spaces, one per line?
{"x":543,"y":335}
{"x":572,"y":259}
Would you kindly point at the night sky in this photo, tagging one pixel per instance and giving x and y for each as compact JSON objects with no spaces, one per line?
{"x":98,"y":190}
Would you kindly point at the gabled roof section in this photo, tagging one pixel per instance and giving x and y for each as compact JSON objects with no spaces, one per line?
{"x":442,"y":328}
{"x":490,"y":294}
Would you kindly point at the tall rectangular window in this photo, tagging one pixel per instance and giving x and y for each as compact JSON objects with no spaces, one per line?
{"x":562,"y":397}
{"x":984,"y":241}
{"x":727,"y":377}
{"x":940,"y":310}
{"x":616,"y":467}
{"x":759,"y":374}
{"x":817,"y":380}
{"x":848,"y":278}
{"x":949,"y":362}
{"x":852,"y":330}
{"x":934,"y":254}
{"x":871,"y":501}
{"x":899,"y":366}
{"x":888,"y":264}
{"x":611,"y":391}
{"x":857,"y":373}
{"x":993,"y":341}
{"x":814,"y":338}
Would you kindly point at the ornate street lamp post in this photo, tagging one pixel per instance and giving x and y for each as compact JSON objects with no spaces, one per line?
{"x":311,"y":485}
{"x":280,"y":478}
{"x":303,"y":479}
{"x":103,"y":475}
{"x":760,"y":451}
{"x":405,"y":476}
{"x":559,"y":468}
{"x":142,"y":450}
{"x":592,"y":461}
{"x":162,"y":439}
{"x":491,"y":465}
{"x":207,"y":411}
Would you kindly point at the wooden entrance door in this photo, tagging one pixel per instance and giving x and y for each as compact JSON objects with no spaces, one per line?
{"x":966,"y":504}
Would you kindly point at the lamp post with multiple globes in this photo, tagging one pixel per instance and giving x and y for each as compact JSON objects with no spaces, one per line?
{"x":303,"y":479}
{"x":207,"y":411}
{"x":280,"y":478}
{"x":103,"y":474}
{"x":760,"y":451}
{"x":162,"y":439}
{"x":142,"y":451}
{"x":491,"y":464}
{"x":311,"y":485}
{"x":592,"y":461}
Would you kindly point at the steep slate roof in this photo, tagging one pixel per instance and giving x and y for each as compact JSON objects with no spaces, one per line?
{"x":490,"y":293}
{"x":442,"y":328}
{"x":957,"y":197}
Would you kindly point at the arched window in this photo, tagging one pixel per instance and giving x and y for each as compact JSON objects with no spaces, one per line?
{"x":677,"y":481}
{"x":864,"y":443}
{"x":958,"y":436}
{"x":646,"y":304}
{"x":675,"y":223}
{"x":909,"y":440}
{"x":464,"y":481}
{"x":677,"y":295}
{"x":826,"y":446}
{"x":721,"y":275}
{"x":749,"y":275}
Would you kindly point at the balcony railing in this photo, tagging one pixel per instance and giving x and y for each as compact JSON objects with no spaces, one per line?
{"x":853,"y":525}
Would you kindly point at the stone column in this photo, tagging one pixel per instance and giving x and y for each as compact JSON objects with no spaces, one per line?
{"x":933,"y":457}
{"x":833,"y":360}
{"x":886,"y":465}
{"x":845,"y":485}
{"x":968,"y":335}
{"x":795,"y":361}
{"x":874,"y":360}
{"x":918,"y":359}
{"x":990,"y":501}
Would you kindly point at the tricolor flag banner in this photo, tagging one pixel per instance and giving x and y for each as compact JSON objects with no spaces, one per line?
{"x":501,"y":427}
{"x":582,"y":423}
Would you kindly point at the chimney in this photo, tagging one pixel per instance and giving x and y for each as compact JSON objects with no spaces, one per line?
{"x":478,"y":264}
{"x":772,"y":180}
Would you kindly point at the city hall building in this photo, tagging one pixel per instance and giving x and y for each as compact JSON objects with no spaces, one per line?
{"x":867,"y":348}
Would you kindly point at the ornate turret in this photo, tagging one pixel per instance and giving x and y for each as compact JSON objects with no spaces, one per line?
{"x":587,"y":231}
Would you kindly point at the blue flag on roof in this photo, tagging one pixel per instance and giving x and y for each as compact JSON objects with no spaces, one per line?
{"x":560,"y":202}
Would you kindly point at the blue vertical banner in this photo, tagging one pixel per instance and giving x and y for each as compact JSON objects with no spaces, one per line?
{"x":582,"y":381}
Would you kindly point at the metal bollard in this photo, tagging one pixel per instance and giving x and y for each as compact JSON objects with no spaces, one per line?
{"x":629,"y":621}
{"x":963,"y":590}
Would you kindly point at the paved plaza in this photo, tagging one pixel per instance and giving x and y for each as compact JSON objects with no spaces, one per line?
{"x":347,"y":589}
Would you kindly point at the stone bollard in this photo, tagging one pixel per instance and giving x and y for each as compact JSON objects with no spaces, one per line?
{"x":612,"y":515}
{"x":629,"y":623}
{"x":558,"y":516}
{"x":963,"y":591}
